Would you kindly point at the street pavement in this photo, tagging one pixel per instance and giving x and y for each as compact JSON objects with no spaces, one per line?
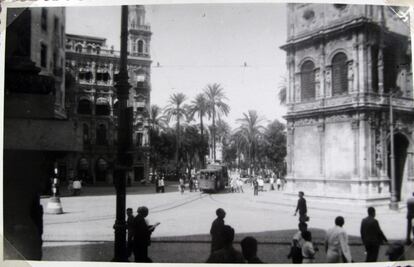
{"x":85,"y":230}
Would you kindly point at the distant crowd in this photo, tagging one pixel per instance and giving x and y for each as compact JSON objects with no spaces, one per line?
{"x":302,"y":250}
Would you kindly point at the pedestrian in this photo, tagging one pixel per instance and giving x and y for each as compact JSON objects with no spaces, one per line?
{"x":130,"y":229}
{"x":227,"y":254}
{"x":336,"y":243}
{"x":308,"y":250}
{"x":278,"y":183}
{"x":260,"y":183}
{"x":191,"y":183}
{"x":240,"y":185}
{"x":372,"y":236}
{"x":302,"y":208}
{"x":249,"y":250}
{"x":161,"y":185}
{"x":157,"y":189}
{"x":182,"y":185}
{"x":272,"y":183}
{"x":255,"y":187}
{"x":410,"y":216}
{"x":297,"y":241}
{"x":216,"y":230}
{"x":142,"y":235}
{"x":196,"y":185}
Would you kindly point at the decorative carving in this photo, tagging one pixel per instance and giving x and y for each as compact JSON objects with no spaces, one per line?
{"x":305,"y":122}
{"x":378,"y":148}
{"x":337,"y":118}
{"x":355,"y":124}
{"x":309,"y":14}
{"x":350,"y":76}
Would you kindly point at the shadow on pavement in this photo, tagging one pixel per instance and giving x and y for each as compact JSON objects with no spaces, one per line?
{"x":273,"y":248}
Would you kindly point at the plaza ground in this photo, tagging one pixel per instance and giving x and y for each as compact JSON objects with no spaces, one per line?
{"x":85,"y":230}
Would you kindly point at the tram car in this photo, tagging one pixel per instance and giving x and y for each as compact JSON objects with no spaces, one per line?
{"x":213,"y":179}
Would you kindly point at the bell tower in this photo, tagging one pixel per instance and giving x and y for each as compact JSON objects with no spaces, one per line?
{"x":139,"y":72}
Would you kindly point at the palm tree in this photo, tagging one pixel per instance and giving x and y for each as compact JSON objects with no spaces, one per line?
{"x":199,"y":106}
{"x":215,"y":107}
{"x":250,"y":130}
{"x":157,"y":120}
{"x":175,"y":110}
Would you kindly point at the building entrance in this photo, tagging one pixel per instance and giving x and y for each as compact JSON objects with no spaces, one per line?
{"x":400,"y":152}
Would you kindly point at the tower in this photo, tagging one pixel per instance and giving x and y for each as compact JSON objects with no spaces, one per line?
{"x":343,"y":62}
{"x":139,"y":72}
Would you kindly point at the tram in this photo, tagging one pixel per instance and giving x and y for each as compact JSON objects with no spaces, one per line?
{"x":213,"y":179}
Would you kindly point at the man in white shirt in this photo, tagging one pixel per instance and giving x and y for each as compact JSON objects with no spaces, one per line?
{"x":336,"y":243}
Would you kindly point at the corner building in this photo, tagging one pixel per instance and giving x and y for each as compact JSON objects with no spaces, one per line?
{"x":93,"y":101}
{"x":343,"y":61}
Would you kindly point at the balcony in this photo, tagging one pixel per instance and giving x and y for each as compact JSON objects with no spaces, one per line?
{"x":146,"y":28}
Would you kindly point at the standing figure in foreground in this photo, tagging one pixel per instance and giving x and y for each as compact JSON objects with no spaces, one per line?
{"x":372,"y":236}
{"x":410,"y":217}
{"x":227,"y":254}
{"x":142,"y":235}
{"x":336,"y":243}
{"x":308,"y":250}
{"x":130,"y":228}
{"x":216,"y":230}
{"x":249,"y":250}
{"x":302,"y":208}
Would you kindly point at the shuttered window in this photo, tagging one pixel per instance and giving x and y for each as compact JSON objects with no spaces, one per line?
{"x":307,"y":80}
{"x":339,"y":74}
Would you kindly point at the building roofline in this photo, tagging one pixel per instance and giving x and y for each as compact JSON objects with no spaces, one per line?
{"x":89,"y":37}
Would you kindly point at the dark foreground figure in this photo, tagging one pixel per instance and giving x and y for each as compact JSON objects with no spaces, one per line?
{"x":142,"y":236}
{"x":227,"y":254}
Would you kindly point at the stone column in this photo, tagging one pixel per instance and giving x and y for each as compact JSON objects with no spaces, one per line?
{"x":321,"y":130}
{"x":380,"y":70}
{"x":318,"y":83}
{"x":328,"y":81}
{"x":297,"y":88}
{"x":355,"y":129}
{"x":351,"y":79}
{"x":356,"y":63}
{"x":363,"y":146}
{"x":362,"y":64}
{"x":369,"y":67}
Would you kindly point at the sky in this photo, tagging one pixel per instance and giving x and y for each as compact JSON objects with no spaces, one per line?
{"x":201,"y":44}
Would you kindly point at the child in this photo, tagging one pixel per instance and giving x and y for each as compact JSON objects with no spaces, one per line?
{"x":308,"y":251}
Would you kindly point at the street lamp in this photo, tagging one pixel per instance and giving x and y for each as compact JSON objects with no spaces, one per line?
{"x":54,"y":206}
{"x":124,"y":143}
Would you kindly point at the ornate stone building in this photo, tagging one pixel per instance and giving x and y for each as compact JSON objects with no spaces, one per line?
{"x":92,"y":99}
{"x":343,"y":62}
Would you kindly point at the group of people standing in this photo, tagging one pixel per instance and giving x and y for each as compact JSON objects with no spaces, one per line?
{"x":336,"y":240}
{"x":139,"y":234}
{"x":222,"y":250}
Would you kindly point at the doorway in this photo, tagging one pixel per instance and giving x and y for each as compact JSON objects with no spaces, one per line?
{"x":400,"y":152}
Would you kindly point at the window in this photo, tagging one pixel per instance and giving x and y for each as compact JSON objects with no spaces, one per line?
{"x":89,"y":49}
{"x":339,"y":74}
{"x":84,"y":107}
{"x":101,"y":135}
{"x":43,"y":55}
{"x":140,"y":46}
{"x":139,"y":139}
{"x":307,"y":79}
{"x":98,"y":50}
{"x":43,"y":19}
{"x":133,"y":24}
{"x":78,"y":48}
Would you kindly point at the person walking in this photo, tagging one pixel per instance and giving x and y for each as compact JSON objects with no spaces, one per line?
{"x":239,"y":183}
{"x":217,"y":229}
{"x":372,"y":236}
{"x":302,"y":208}
{"x":336,"y":243}
{"x":249,"y":250}
{"x":182,"y":185}
{"x":410,"y":217}
{"x":308,"y":250}
{"x":227,"y":254}
{"x":130,"y":229}
{"x":279,"y":183}
{"x":142,"y":235}
{"x":255,"y":187}
{"x":161,"y":185}
{"x":272,"y":183}
{"x":297,"y":242}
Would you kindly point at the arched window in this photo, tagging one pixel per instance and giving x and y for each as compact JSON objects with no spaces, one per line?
{"x":339,"y":74}
{"x":307,"y":80}
{"x":84,"y":107}
{"x":101,"y":135}
{"x":98,"y":50}
{"x":139,"y":139}
{"x":140,"y":46}
{"x":78,"y":48}
{"x":89,"y":49}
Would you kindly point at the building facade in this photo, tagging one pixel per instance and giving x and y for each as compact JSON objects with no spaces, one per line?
{"x":37,"y":133}
{"x":92,"y":100}
{"x":343,"y":62}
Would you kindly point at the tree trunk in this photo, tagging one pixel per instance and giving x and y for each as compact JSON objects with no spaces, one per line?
{"x":214,"y":135}
{"x":202,"y":141}
{"x":178,"y":143}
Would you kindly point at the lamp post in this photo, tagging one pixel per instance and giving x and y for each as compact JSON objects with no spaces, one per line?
{"x":394,"y":203}
{"x":54,"y":206}
{"x":124,"y":142}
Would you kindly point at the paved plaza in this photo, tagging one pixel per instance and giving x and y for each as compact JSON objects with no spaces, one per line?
{"x":85,"y":230}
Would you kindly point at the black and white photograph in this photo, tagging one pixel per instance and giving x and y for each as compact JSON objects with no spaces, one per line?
{"x":207,"y":132}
